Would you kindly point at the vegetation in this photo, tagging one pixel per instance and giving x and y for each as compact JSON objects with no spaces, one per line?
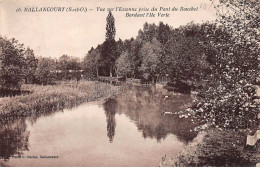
{"x":44,"y":99}
{"x":11,"y":63}
{"x":230,"y":99}
{"x":211,"y":149}
{"x":219,"y":60}
{"x":45,"y":71}
{"x":2,"y":165}
{"x":157,"y":52}
{"x":18,"y":66}
{"x":65,"y":65}
{"x":30,"y":66}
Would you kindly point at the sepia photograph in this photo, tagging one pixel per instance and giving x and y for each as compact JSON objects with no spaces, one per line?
{"x":129,"y":83}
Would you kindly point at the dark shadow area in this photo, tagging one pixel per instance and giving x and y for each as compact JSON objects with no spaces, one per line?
{"x":179,"y":87}
{"x":11,"y":93}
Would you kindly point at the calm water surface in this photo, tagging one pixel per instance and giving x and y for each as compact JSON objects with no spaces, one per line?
{"x":129,"y":130}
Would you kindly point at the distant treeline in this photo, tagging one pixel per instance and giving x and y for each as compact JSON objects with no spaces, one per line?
{"x":19,"y":65}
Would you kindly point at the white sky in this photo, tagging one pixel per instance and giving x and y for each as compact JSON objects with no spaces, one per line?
{"x":55,"y":34}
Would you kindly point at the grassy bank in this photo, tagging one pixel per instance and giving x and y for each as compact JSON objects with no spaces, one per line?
{"x":3,"y":165}
{"x":52,"y":98}
{"x":216,"y":148}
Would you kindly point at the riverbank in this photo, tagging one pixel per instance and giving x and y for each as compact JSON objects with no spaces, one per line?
{"x":52,"y":98}
{"x":3,"y":165}
{"x":216,"y":149}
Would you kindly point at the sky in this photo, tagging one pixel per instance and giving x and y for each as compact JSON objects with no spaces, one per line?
{"x":52,"y":34}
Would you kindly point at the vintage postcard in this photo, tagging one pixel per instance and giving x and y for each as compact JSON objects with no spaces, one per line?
{"x":129,"y":83}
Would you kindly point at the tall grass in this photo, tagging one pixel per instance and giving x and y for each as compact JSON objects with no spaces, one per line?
{"x":52,"y":98}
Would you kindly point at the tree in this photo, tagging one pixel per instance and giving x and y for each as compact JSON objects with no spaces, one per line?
{"x":46,"y":71}
{"x":183,"y":59}
{"x":109,"y":48}
{"x":133,"y":47}
{"x":148,"y":33}
{"x":11,"y":63}
{"x":67,"y":64}
{"x":151,"y":52}
{"x":30,"y":66}
{"x":110,"y":27}
{"x":230,"y":99}
{"x":92,"y":62}
{"x":164,"y":32}
{"x":124,"y":65}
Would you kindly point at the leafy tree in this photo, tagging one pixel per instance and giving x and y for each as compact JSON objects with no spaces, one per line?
{"x":124,"y":65}
{"x":46,"y":71}
{"x":164,"y":32}
{"x":133,"y":49}
{"x":66,"y":64}
{"x":109,"y":47}
{"x":230,"y":99}
{"x":151,"y":52}
{"x":183,"y":56}
{"x":30,"y":66}
{"x":148,"y":33}
{"x":110,"y":27}
{"x":11,"y":63}
{"x":108,"y":54}
{"x":92,"y":62}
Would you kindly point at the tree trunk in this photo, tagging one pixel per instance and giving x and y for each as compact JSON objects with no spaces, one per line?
{"x":116,"y":73}
{"x":97,"y":72}
{"x":111,"y":72}
{"x":153,"y":82}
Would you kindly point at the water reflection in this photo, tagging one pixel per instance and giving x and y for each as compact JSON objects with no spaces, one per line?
{"x":145,"y":107}
{"x":13,"y":138}
{"x":110,"y":111}
{"x":14,"y":134}
{"x":127,"y":130}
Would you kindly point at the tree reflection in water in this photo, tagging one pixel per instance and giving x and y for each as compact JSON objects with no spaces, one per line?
{"x":13,"y":138}
{"x":14,"y":135}
{"x":145,"y":106}
{"x":110,"y":111}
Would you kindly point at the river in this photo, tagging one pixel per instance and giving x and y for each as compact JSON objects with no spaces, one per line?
{"x":127,"y":130}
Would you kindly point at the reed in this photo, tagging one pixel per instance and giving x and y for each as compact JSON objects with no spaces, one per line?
{"x":50,"y":98}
